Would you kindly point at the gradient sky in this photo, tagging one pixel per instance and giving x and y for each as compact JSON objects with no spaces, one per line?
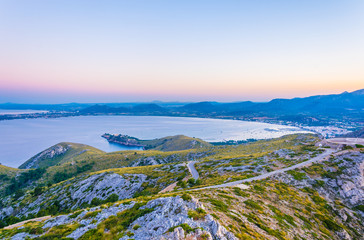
{"x":115,"y":51}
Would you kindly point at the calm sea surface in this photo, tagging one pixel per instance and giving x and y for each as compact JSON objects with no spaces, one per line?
{"x":23,"y":138}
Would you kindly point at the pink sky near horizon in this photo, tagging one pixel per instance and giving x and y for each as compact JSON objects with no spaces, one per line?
{"x":182,"y":51}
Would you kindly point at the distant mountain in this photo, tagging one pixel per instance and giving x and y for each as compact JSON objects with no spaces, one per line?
{"x":149,"y":108}
{"x":49,"y":107}
{"x":355,"y":134}
{"x":100,"y":109}
{"x":137,"y":109}
{"x":322,"y":104}
{"x":201,"y":107}
{"x":309,"y":110}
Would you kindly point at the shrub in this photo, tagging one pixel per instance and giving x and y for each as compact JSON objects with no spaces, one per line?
{"x":112,"y":198}
{"x":37,"y":191}
{"x":96,"y":201}
{"x":297,"y":175}
{"x":75,"y":214}
{"x":182,"y":184}
{"x":219,"y":204}
{"x":359,"y":207}
{"x":23,"y":179}
{"x":254,"y":205}
{"x":136,"y":226}
{"x":184,"y":226}
{"x":197,"y":214}
{"x":186,"y":197}
{"x":259,"y":188}
{"x":319,"y":183}
{"x":91,"y":214}
{"x":240,"y":192}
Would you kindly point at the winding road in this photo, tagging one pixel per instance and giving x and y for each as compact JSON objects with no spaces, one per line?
{"x":318,"y":158}
{"x":192,"y":169}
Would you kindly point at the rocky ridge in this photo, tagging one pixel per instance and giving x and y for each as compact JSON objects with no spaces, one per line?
{"x":52,"y":152}
{"x":77,"y":192}
{"x":167,"y":219}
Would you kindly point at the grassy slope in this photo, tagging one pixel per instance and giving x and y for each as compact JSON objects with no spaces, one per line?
{"x":75,"y":152}
{"x":268,"y":210}
{"x":9,"y":170}
{"x":252,"y":156}
{"x":274,"y":210}
{"x":175,"y":143}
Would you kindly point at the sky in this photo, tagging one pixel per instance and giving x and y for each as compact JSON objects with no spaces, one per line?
{"x":190,"y":50}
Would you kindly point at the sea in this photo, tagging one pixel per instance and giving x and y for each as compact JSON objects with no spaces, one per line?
{"x":21,"y":139}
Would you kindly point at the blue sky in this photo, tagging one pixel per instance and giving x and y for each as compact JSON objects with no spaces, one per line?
{"x":100,"y":51}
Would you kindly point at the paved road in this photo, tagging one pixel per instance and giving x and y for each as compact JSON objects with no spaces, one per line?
{"x":319,"y":158}
{"x":192,"y":169}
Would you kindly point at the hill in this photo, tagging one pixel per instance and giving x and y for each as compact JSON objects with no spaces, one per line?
{"x":119,"y":195}
{"x":355,"y":134}
{"x":171,"y":143}
{"x":310,"y":110}
{"x":58,"y":154}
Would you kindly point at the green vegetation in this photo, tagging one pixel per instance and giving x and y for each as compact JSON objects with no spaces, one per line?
{"x":185,"y":227}
{"x":186,"y":197}
{"x":117,"y":225}
{"x":268,"y":208}
{"x":197,"y":214}
{"x":20,"y":181}
{"x":110,"y":199}
{"x":254,"y":205}
{"x":297,"y":175}
{"x":175,"y":143}
{"x":171,"y":143}
{"x":74,"y":152}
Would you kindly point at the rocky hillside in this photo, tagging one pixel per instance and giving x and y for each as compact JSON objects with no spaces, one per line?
{"x":151,"y":194}
{"x":355,"y":134}
{"x":171,"y":143}
{"x":59,"y":153}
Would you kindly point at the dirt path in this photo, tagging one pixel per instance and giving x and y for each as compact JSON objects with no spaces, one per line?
{"x":24,"y":222}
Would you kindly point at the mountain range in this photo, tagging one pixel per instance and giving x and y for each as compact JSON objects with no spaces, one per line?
{"x":318,"y":108}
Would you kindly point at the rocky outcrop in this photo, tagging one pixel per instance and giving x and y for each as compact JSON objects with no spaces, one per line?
{"x":170,"y":212}
{"x":76,"y":192}
{"x":155,"y":160}
{"x":340,"y":178}
{"x":52,"y":152}
{"x":343,"y":178}
{"x":167,"y":220}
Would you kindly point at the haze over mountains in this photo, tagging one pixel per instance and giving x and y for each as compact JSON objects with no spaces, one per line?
{"x":334,"y":104}
{"x":313,"y":110}
{"x":329,"y":104}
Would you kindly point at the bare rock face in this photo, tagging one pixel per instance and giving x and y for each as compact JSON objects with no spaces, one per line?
{"x":56,"y":150}
{"x":104,"y":184}
{"x":75,"y":192}
{"x":346,"y":178}
{"x":167,"y":220}
{"x":172,"y":212}
{"x":349,"y":184}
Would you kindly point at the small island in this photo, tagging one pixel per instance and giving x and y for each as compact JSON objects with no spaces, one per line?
{"x":124,"y":140}
{"x":171,"y":143}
